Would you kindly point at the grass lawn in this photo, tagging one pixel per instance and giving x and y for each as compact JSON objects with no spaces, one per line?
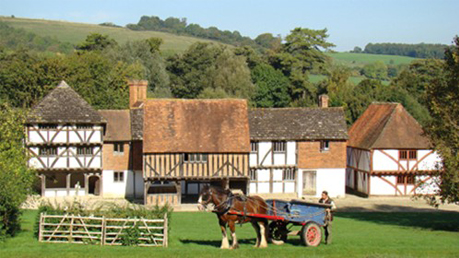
{"x":433,"y":234}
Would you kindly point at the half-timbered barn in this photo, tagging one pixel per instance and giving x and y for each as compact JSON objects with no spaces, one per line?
{"x":187,"y":143}
{"x":298,"y":151}
{"x":64,"y":141}
{"x":388,"y":153}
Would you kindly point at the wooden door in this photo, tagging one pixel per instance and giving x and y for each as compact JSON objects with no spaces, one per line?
{"x":309,"y":182}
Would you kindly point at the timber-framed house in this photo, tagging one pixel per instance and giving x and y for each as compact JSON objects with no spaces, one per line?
{"x":389,"y":154}
{"x":64,"y":142}
{"x":298,"y":152}
{"x":188,"y":143}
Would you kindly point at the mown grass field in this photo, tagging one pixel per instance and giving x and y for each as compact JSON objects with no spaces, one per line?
{"x":433,"y":234}
{"x":76,"y":32}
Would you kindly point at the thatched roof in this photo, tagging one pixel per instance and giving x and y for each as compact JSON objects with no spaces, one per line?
{"x":297,"y":124}
{"x":387,"y":126}
{"x":64,"y":105}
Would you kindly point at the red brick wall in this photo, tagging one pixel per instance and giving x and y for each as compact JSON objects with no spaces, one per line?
{"x":310,"y":156}
{"x":112,"y":161}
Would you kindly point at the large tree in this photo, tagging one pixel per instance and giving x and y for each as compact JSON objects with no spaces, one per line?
{"x":302,"y":52}
{"x":16,"y":179}
{"x":443,"y":103}
{"x":271,"y":87}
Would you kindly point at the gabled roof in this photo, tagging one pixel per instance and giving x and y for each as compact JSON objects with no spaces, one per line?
{"x":199,"y":126}
{"x":297,"y":124}
{"x":387,"y":126}
{"x":64,"y":105}
{"x":118,"y":125}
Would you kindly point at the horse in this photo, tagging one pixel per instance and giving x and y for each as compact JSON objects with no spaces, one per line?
{"x":224,"y":201}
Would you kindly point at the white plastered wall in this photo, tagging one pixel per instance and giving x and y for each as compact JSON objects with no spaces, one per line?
{"x":331,"y":180}
{"x":133,"y":182}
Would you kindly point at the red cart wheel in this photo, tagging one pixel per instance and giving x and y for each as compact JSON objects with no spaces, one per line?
{"x":311,"y":234}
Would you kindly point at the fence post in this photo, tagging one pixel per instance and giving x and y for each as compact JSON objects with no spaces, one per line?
{"x":102,"y":237}
{"x":40,"y":228}
{"x":71,"y":228}
{"x":165,"y":235}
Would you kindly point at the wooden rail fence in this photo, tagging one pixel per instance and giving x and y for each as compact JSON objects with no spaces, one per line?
{"x":104,"y":231}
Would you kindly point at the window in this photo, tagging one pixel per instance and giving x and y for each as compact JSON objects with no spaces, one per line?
{"x":413,"y":155}
{"x":279,"y":146}
{"x":195,"y":158}
{"x":289,"y":174}
{"x":254,"y":147}
{"x":84,"y":126}
{"x":47,"y":151}
{"x":118,"y":176}
{"x":84,"y":151}
{"x":118,"y":148}
{"x":324,"y":146}
{"x":409,"y":179}
{"x":253,"y":174}
{"x":47,"y":126}
{"x":408,"y":155}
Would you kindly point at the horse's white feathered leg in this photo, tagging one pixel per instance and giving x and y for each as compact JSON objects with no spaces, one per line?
{"x":225,"y":243}
{"x":263,"y":243}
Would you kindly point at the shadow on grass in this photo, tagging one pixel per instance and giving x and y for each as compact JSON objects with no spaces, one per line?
{"x":413,"y":217}
{"x":216,"y":243}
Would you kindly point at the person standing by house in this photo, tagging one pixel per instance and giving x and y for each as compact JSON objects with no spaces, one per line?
{"x":329,"y":217}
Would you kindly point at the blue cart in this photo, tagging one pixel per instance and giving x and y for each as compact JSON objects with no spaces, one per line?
{"x":311,"y":216}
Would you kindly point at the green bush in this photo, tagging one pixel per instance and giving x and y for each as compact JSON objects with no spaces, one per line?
{"x":15,"y":178}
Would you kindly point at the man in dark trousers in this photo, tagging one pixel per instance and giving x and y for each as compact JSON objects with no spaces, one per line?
{"x":329,"y":217}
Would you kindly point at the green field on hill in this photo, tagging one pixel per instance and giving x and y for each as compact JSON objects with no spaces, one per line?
{"x":76,"y":32}
{"x":197,"y":234}
{"x":360,"y":59}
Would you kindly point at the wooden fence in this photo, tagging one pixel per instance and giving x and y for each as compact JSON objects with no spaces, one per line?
{"x":103,"y":231}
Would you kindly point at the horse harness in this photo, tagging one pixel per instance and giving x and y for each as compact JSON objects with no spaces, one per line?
{"x":227,"y":205}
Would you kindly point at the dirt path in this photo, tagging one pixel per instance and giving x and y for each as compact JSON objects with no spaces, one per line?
{"x":350,"y":203}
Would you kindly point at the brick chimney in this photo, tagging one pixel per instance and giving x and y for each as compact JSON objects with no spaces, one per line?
{"x":137,"y":92}
{"x":323,"y":101}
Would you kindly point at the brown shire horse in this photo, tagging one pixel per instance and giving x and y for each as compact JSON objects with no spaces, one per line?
{"x":224,"y":201}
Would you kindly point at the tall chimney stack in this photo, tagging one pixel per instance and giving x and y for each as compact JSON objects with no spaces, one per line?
{"x":323,"y":101}
{"x":137,"y":92}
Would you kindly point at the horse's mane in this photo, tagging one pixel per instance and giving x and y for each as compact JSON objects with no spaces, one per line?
{"x":220,"y":189}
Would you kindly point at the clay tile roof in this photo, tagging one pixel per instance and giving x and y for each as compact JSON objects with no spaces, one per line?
{"x":137,"y":124}
{"x":64,"y":105}
{"x":387,"y":126}
{"x":201,"y":126}
{"x":297,"y":124}
{"x":118,"y":125}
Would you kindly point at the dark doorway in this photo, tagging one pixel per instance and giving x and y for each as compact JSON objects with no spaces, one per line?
{"x":94,"y":185}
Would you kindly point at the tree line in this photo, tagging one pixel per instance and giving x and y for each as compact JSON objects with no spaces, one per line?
{"x":421,"y":50}
{"x":12,"y":38}
{"x":181,"y":27}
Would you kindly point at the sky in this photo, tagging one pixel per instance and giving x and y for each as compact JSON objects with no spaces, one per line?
{"x":350,"y":23}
